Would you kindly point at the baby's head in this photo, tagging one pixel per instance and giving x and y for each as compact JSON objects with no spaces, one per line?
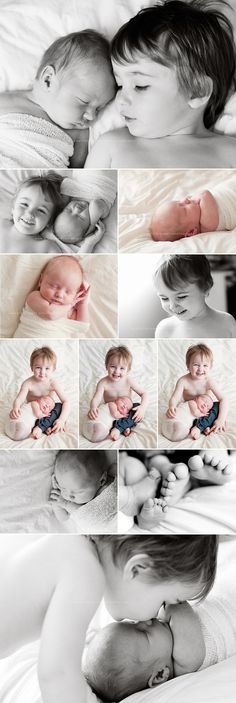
{"x":43,"y":362}
{"x":78,"y":219}
{"x":80,"y":474}
{"x":74,"y":79}
{"x":182,"y":283}
{"x":118,"y":362}
{"x":204,"y":403}
{"x":175,"y":64}
{"x":60,"y":280}
{"x":176,"y":219}
{"x":124,"y":658}
{"x":36,"y":202}
{"x":124,"y":404}
{"x":199,"y":360}
{"x":142,"y":572}
{"x":46,"y":404}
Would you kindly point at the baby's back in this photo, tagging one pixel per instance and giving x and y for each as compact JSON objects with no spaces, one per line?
{"x":218,"y":623}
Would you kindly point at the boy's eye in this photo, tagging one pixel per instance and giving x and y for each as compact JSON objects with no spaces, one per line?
{"x":141,"y":87}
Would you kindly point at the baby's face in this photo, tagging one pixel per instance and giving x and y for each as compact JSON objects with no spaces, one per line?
{"x":73,"y":222}
{"x":124,"y":405}
{"x":32,"y":210}
{"x":149,"y":98}
{"x":60,"y":283}
{"x":117,"y":368}
{"x":42,"y":369}
{"x":199,"y":366}
{"x":79,"y":93}
{"x":185,"y":303}
{"x":75,"y":476}
{"x":46,"y":404}
{"x":204,"y":403}
{"x":176,"y":219}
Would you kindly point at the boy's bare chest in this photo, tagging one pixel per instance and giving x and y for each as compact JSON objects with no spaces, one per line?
{"x":187,"y":151}
{"x":44,"y":387}
{"x":193,"y":388}
{"x":117,"y":389}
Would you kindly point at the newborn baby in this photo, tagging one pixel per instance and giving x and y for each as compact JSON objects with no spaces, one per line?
{"x":178,"y":428}
{"x":124,"y":657}
{"x":122,"y":410}
{"x":43,"y":408}
{"x":77,"y":479}
{"x":78,"y":219}
{"x":203,"y":212}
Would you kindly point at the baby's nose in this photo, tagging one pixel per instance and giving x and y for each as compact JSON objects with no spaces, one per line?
{"x":90,"y":113}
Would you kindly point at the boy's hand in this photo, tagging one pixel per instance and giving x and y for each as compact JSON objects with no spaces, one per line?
{"x":15,"y":412}
{"x":139,"y":414}
{"x":58,"y":425}
{"x":218,"y":426}
{"x":93,"y":413}
{"x":171,"y":412}
{"x":195,"y":433}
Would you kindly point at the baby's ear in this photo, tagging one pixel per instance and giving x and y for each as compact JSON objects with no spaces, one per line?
{"x":48,"y":78}
{"x":195,"y":103}
{"x":159,"y":677}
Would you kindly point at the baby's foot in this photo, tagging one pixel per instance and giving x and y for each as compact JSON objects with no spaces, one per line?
{"x":127,"y":431}
{"x":132,"y":497}
{"x":36,"y":432}
{"x":48,"y":431}
{"x":176,"y":484}
{"x":210,"y":467}
{"x":152,"y":512}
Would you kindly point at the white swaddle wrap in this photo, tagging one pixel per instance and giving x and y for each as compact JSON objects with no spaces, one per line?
{"x":89,"y":186}
{"x":31,"y":325}
{"x":225,"y":196}
{"x":32,"y":142}
{"x":218,"y":623}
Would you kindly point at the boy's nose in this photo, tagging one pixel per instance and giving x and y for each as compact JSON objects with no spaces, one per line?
{"x":123,"y":98}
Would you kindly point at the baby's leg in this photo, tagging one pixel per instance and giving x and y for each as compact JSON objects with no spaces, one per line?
{"x":153,"y":510}
{"x":136,"y":484}
{"x":174,"y":430}
{"x":211,"y":468}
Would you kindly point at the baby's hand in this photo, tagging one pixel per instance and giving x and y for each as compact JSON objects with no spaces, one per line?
{"x":171,"y":412}
{"x":139,"y":414}
{"x":218,"y":426}
{"x":83,"y":294}
{"x":58,"y":426}
{"x":195,"y":433}
{"x":15,"y":412}
{"x":93,"y":413}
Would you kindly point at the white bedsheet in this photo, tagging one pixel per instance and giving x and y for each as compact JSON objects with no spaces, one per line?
{"x":92,"y":355}
{"x":15,"y":368}
{"x":20,"y":273}
{"x":171,"y":365}
{"x":9,"y":237}
{"x":140,"y":193}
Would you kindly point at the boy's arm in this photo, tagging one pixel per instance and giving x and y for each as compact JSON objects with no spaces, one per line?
{"x":219,"y":424}
{"x":176,"y":398}
{"x":97,"y":399}
{"x":81,"y":137}
{"x":140,"y":412}
{"x":19,"y":400}
{"x":189,"y":646}
{"x":74,"y":601}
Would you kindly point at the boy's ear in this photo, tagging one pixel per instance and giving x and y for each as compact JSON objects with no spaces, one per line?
{"x":136,"y":566}
{"x":195,"y":103}
{"x":48,"y":77}
{"x":159,"y":677}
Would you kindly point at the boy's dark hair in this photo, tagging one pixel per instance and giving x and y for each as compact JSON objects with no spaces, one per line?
{"x":177,"y":270}
{"x":193,"y":37}
{"x":66,"y":50}
{"x":50,"y":184}
{"x":173,"y":557}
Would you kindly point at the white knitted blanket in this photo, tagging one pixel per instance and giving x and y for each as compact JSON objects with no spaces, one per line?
{"x":32,"y":142}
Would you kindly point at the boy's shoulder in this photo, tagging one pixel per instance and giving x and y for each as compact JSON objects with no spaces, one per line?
{"x":164,"y":328}
{"x":228,"y":322}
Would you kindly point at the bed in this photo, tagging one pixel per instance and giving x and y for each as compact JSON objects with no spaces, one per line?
{"x":171,"y":365}
{"x":18,"y":673}
{"x":91,"y":368}
{"x":15,"y":368}
{"x":25,"y":479}
{"x":27,"y":28}
{"x":24,"y":270}
{"x":140,"y":193}
{"x":81,"y":186}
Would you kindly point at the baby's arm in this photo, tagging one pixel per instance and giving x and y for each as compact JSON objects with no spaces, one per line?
{"x":80,"y":148}
{"x":140,"y":412}
{"x":176,"y":398}
{"x":79,"y":311}
{"x":219,"y":424}
{"x":61,"y":420}
{"x":189,"y":646}
{"x":97,"y":399}
{"x":46,"y":310}
{"x":19,"y":400}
